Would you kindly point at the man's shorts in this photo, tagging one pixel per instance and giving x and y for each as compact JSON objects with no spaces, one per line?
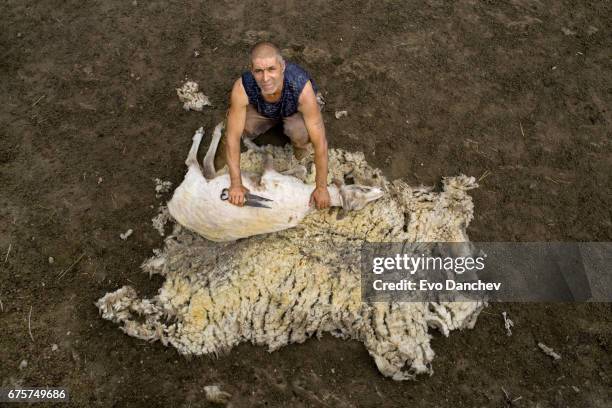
{"x":256,"y":124}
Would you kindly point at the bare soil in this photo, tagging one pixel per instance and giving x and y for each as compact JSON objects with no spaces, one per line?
{"x":519,"y":90}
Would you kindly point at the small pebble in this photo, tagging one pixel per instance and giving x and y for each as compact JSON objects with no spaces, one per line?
{"x":592,"y":30}
{"x":567,"y":31}
{"x":51,"y":259}
{"x":54,"y":347}
{"x":23,"y":364}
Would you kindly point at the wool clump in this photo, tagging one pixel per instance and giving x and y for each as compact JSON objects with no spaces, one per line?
{"x":191,"y":97}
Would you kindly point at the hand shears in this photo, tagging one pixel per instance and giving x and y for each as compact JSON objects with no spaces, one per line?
{"x":251,"y":200}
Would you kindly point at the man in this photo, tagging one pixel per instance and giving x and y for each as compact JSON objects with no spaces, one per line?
{"x":275,"y":91}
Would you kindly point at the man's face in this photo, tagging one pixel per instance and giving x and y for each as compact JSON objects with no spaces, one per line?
{"x":268,"y":73}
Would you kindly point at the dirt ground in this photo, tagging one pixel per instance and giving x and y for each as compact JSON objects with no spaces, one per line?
{"x":519,"y":92}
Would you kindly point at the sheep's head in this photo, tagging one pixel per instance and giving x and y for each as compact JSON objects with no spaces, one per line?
{"x":355,"y":196}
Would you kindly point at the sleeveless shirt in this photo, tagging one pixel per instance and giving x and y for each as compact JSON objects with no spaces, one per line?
{"x":293,"y":84}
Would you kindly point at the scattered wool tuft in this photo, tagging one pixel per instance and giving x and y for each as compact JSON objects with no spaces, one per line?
{"x":340,"y":114}
{"x":126,"y":234}
{"x":508,"y":324}
{"x":215,"y":395}
{"x":549,"y":351}
{"x":191,"y":98}
{"x":162,"y":187}
{"x":288,"y":286}
{"x":161,"y":219}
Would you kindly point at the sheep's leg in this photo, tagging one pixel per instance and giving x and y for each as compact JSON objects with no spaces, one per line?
{"x":208,"y":163}
{"x":192,"y":157}
{"x":268,"y":163}
{"x":298,"y":171}
{"x":252,"y":146}
{"x":269,"y":173}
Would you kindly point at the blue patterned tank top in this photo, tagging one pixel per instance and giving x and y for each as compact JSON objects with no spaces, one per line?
{"x":293,"y":84}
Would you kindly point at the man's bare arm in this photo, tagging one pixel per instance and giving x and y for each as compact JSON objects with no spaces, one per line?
{"x":236,"y":118}
{"x":316,"y":131}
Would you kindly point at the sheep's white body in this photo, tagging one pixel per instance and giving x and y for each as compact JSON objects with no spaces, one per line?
{"x":197,"y":205}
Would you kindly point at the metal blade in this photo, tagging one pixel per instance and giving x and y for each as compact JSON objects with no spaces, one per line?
{"x":250,"y":196}
{"x":252,"y":203}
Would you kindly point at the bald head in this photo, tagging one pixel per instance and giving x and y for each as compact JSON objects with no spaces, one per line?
{"x":266,"y":49}
{"x":268,"y":68}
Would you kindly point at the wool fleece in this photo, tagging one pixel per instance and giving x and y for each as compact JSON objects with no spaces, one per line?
{"x":285,"y":287}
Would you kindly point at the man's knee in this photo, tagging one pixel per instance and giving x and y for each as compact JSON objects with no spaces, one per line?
{"x":295,"y":128}
{"x":255,"y":123}
{"x":250,"y":131}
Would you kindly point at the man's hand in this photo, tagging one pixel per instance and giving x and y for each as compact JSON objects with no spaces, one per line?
{"x":237,"y":194}
{"x":316,"y":134}
{"x":236,"y":117}
{"x":320,"y":197}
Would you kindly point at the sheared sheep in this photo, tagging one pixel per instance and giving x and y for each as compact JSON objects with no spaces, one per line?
{"x":285,"y":287}
{"x":196,"y":203}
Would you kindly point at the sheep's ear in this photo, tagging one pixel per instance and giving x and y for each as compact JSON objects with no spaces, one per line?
{"x":374,"y":193}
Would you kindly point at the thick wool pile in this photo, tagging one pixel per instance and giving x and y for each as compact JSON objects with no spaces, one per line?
{"x":285,"y":287}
